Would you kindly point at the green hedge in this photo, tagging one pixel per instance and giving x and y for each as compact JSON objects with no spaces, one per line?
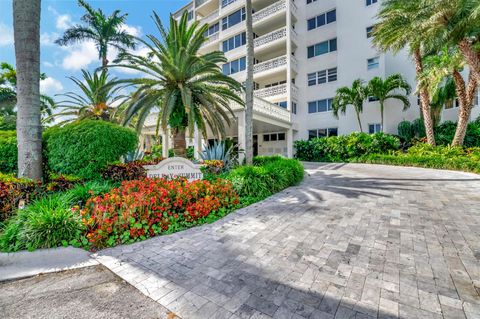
{"x":346,"y":147}
{"x":85,"y":148}
{"x":269,"y":175}
{"x":8,"y":151}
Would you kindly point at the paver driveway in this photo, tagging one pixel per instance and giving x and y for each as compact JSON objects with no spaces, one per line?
{"x":352,"y":241}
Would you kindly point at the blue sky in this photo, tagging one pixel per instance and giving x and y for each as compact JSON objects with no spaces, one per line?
{"x":57,"y":15}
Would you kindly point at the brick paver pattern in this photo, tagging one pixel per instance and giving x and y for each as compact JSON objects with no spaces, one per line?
{"x":352,"y":241}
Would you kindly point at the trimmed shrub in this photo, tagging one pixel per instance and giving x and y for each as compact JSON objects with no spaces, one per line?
{"x":418,"y":127}
{"x":144,"y":208}
{"x":8,"y":151}
{"x":346,"y":147}
{"x":405,"y":131}
{"x":45,"y":223}
{"x":85,"y":148}
{"x":127,"y":171}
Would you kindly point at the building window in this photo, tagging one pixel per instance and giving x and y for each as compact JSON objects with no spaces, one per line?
{"x":275,"y":83}
{"x":320,"y":77}
{"x":274,"y":137}
{"x":190,"y":15}
{"x":234,"y":66}
{"x":370,"y":2}
{"x":369,"y":32}
{"x":310,"y":1}
{"x":373,"y":63}
{"x":294,"y":107}
{"x":322,"y":19}
{"x":212,"y":30}
{"x":322,"y":132}
{"x":234,"y":42}
{"x":372,"y":99}
{"x":283,"y":104}
{"x":320,"y":106}
{"x":226,"y":2}
{"x":233,"y":19}
{"x":374,"y":128}
{"x":322,"y":48}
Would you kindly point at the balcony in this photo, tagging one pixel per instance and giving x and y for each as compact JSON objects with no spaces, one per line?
{"x":271,"y":91}
{"x":270,"y":64}
{"x":266,"y":109}
{"x":269,"y":11}
{"x":271,"y":37}
{"x":210,"y":40}
{"x":211,"y":17}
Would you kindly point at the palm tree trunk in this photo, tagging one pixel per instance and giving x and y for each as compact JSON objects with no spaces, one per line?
{"x":249,"y":86}
{"x":381,"y":114}
{"x":465,"y":98}
{"x":359,"y":121}
{"x":26,"y":25}
{"x":179,"y":142}
{"x":104,"y":61}
{"x":472,"y":57}
{"x":425,"y":100}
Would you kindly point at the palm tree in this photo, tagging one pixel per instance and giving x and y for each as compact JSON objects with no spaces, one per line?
{"x":104,"y":31}
{"x":188,"y":88}
{"x":99,"y":99}
{"x":26,"y":32}
{"x":249,"y":86}
{"x":455,"y":23}
{"x":444,"y":95}
{"x":449,"y":63}
{"x":354,"y":96}
{"x":402,"y":24}
{"x":384,"y":90}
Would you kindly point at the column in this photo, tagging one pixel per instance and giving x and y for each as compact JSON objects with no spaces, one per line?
{"x":241,"y":135}
{"x":197,"y":143}
{"x":165,"y":143}
{"x":289,"y":137}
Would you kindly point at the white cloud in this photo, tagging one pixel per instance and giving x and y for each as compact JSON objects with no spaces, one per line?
{"x":79,"y":55}
{"x":48,"y":39}
{"x":48,"y":64}
{"x":50,"y":86}
{"x":136,"y":31}
{"x":6,"y":35}
{"x":63,"y":22}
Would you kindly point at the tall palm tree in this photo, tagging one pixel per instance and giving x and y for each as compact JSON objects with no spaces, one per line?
{"x":354,"y":96}
{"x":402,"y":25}
{"x":456,"y":23}
{"x":100,"y":99}
{"x":249,"y":86}
{"x":187,"y":88}
{"x":104,"y":31}
{"x":446,"y":63}
{"x":387,"y":89}
{"x":26,"y":32}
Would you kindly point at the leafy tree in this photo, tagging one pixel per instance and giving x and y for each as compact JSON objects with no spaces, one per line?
{"x":387,"y":89}
{"x":188,"y":88}
{"x":98,"y":99}
{"x":354,"y":96}
{"x":26,"y":32}
{"x":104,"y":31}
{"x":402,"y":25}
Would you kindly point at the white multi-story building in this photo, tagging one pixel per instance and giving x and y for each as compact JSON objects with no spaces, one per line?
{"x":304,"y":51}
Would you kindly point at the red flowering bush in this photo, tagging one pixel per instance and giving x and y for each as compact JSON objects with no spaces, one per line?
{"x":13,"y":191}
{"x":143,"y":208}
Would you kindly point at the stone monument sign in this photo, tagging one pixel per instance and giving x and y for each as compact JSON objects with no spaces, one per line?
{"x":175,"y":167}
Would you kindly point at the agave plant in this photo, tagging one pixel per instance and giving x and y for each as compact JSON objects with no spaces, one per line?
{"x":221,"y":152}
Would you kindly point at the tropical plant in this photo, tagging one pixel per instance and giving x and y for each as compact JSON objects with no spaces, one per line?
{"x":444,"y":95}
{"x":26,"y":33}
{"x":402,"y":24}
{"x":384,"y":90}
{"x":104,"y":31}
{"x":221,"y":152}
{"x":249,"y":85}
{"x":101,"y":99}
{"x":188,"y":88}
{"x":405,"y":131}
{"x":354,"y":96}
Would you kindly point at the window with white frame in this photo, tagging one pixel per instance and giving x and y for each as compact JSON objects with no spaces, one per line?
{"x":234,"y":66}
{"x":322,"y":48}
{"x":320,"y":106}
{"x":274,"y":137}
{"x":323,"y":76}
{"x":322,"y":19}
{"x":369,"y":31}
{"x":370,"y":2}
{"x":374,"y":128}
{"x":214,"y":28}
{"x":294,"y":107}
{"x":322,"y":132}
{"x":373,"y":63}
{"x":234,"y":42}
{"x":233,"y":19}
{"x":227,"y":2}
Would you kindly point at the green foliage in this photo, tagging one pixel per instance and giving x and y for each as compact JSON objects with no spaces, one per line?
{"x":45,"y":223}
{"x":221,"y":152}
{"x":13,"y":191}
{"x":86,"y":147}
{"x":405,"y":131}
{"x":8,"y":151}
{"x":191,"y":153}
{"x":270,"y":176}
{"x":346,"y":147}
{"x":445,"y":132}
{"x":418,"y":128}
{"x":82,"y":192}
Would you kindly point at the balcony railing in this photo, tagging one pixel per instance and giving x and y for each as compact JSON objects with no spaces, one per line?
{"x":294,"y":90}
{"x":270,"y":10}
{"x":271,"y":91}
{"x":265,"y":108}
{"x":198,"y":3}
{"x":270,"y":64}
{"x":212,"y":38}
{"x":270,"y":37}
{"x":212,"y":16}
